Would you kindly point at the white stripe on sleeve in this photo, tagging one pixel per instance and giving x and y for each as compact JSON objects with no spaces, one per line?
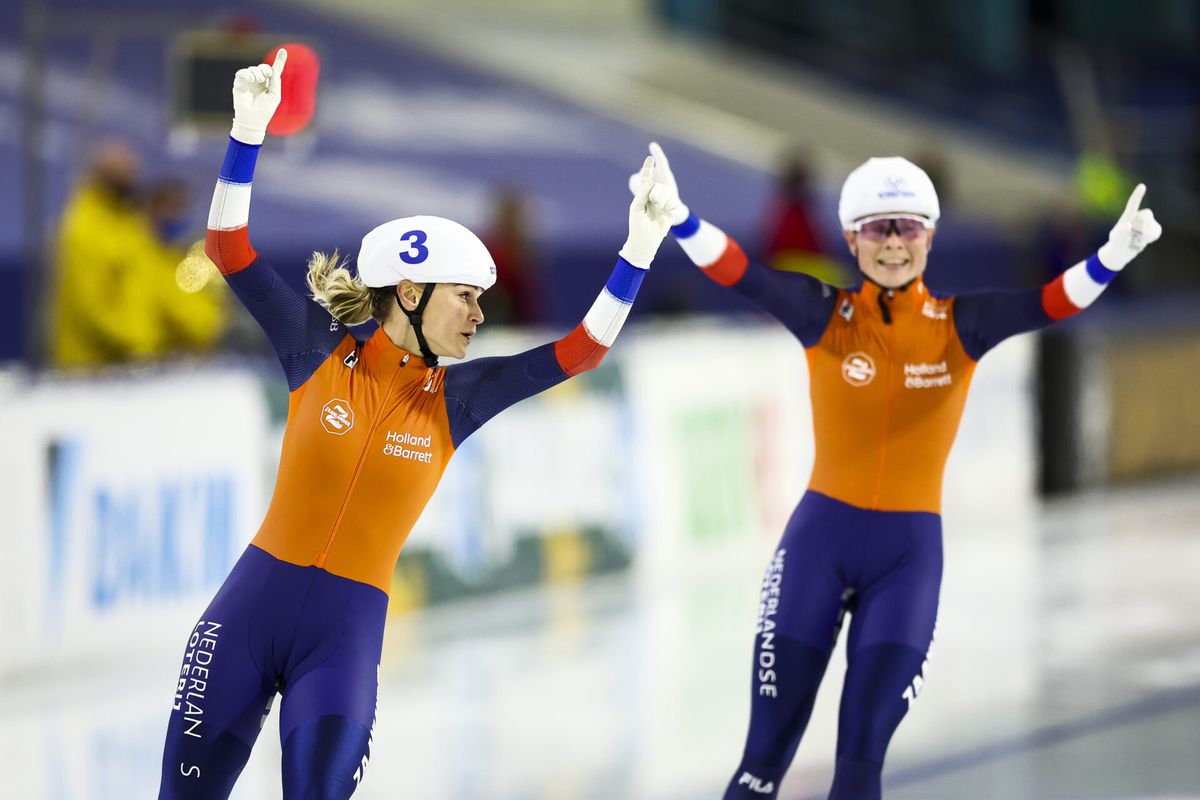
{"x":1081,"y":290}
{"x":230,"y":207}
{"x":605,"y":318}
{"x":706,"y":245}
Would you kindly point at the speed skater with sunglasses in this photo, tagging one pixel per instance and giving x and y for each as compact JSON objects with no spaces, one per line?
{"x":889,"y":367}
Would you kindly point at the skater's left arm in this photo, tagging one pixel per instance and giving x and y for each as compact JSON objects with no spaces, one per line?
{"x":478,"y":390}
{"x":985,"y":319}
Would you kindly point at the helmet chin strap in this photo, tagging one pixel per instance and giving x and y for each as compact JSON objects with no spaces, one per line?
{"x":414,"y":319}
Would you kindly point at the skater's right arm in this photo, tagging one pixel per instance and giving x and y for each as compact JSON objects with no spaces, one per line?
{"x":301,"y":331}
{"x":802,"y":303}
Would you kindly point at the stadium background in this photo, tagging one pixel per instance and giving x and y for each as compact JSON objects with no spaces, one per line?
{"x":572,"y":617}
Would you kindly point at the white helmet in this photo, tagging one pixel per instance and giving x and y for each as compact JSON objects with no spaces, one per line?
{"x":886,"y":187}
{"x":424,"y":249}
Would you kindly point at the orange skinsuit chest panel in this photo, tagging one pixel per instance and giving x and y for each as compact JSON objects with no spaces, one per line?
{"x":370,"y":427}
{"x":364,"y":449}
{"x":887,"y":399}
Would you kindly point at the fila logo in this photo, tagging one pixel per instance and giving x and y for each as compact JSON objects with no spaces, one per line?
{"x":846,"y":310}
{"x":351,"y":358}
{"x":858,"y":369}
{"x":337,"y":417}
{"x":756,"y":784}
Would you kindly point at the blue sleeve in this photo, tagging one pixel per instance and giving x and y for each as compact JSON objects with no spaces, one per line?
{"x":301,"y":330}
{"x":478,"y":390}
{"x":985,"y":319}
{"x":801,"y":302}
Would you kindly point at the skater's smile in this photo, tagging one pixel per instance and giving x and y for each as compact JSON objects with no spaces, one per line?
{"x":892,"y":251}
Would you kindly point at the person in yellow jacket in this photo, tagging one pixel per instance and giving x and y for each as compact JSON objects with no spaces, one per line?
{"x":98,"y":309}
{"x":127,"y":288}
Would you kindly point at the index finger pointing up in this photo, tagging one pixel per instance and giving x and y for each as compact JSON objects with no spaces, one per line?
{"x":280,"y":61}
{"x":1135,"y":200}
{"x":659,"y":156}
{"x":645,"y":182}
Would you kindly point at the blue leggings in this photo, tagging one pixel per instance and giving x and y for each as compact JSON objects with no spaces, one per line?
{"x":884,"y":569}
{"x":274,"y":627}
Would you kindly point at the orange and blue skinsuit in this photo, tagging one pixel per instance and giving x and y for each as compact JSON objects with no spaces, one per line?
{"x":888,"y":373}
{"x":370,"y":431}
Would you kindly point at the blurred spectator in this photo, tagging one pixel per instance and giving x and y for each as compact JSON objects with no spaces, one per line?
{"x":190,"y":297}
{"x":792,"y":244}
{"x":516,"y":299}
{"x":127,"y":288}
{"x":98,"y":311}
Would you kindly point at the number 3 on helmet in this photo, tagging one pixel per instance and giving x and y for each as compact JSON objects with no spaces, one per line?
{"x":417,"y":251}
{"x":424,"y":249}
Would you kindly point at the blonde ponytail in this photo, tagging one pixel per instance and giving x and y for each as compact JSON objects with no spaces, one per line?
{"x":348,"y":299}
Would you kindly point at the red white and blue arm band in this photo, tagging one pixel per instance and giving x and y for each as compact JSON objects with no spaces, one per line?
{"x":1076,"y":289}
{"x":802,"y":303}
{"x":583,"y":348}
{"x":984,"y":319}
{"x":228,"y":239}
{"x":302,"y":332}
{"x":477,"y":390}
{"x":710,"y":249}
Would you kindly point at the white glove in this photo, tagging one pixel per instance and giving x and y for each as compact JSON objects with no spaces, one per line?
{"x":650,"y":216}
{"x":256,"y":93}
{"x":1133,"y":231}
{"x":664,"y":178}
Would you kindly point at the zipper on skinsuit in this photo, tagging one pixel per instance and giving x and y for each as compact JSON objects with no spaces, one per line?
{"x":362,"y":457}
{"x":887,"y":418}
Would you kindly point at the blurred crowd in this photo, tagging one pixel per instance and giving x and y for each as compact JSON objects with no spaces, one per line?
{"x":128,"y":285}
{"x":132,"y":283}
{"x":129,"y":282}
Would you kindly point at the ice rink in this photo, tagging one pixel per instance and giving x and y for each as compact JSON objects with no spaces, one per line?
{"x":1066,"y":668}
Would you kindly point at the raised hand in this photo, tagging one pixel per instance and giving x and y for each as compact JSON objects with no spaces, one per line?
{"x":256,"y":95}
{"x":651,"y":215}
{"x":666,"y":179}
{"x":1136,"y":228}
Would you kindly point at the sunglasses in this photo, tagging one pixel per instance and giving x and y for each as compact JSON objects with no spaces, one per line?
{"x":876,"y":230}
